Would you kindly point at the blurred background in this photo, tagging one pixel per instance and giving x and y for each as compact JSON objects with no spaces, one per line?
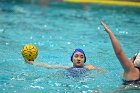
{"x":57,"y":27}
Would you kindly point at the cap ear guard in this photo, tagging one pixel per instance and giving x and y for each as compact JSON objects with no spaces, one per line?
{"x":134,"y":57}
{"x":137,"y":60}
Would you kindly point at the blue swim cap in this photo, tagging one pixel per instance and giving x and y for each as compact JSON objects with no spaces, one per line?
{"x":78,"y":50}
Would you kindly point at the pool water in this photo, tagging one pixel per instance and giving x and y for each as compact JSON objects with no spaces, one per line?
{"x":58,"y":29}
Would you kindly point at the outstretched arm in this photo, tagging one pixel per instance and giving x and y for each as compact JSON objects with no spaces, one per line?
{"x":45,"y":65}
{"x":91,"y":67}
{"x":125,"y":62}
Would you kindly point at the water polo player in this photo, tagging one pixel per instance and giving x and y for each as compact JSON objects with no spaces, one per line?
{"x":78,"y":59}
{"x":131,"y":67}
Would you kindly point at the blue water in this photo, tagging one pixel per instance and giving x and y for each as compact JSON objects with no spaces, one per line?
{"x":57,"y":30}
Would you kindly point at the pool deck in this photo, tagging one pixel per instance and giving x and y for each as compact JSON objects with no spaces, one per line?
{"x":108,"y":2}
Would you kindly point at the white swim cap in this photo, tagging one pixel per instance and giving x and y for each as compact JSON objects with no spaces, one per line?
{"x":137,"y":60}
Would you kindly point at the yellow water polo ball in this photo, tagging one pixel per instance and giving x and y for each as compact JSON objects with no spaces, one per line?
{"x":29,"y":52}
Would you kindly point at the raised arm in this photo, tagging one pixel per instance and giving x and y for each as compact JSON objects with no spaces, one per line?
{"x":125,"y":62}
{"x":46,"y":65}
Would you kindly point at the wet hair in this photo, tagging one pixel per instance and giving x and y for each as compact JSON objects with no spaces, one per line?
{"x":78,"y":50}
